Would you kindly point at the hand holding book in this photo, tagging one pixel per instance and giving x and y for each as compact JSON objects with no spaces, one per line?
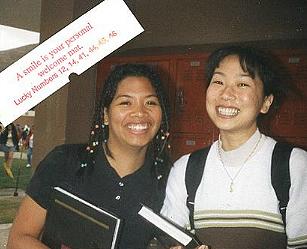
{"x":200,"y":247}
{"x":185,"y":238}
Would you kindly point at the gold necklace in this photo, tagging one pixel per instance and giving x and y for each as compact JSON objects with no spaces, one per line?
{"x":232,"y":179}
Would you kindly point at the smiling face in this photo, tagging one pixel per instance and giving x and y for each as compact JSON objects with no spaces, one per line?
{"x":134,"y":116}
{"x":234,"y":99}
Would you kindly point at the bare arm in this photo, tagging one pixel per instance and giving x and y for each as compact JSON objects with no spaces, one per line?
{"x":27,"y":226}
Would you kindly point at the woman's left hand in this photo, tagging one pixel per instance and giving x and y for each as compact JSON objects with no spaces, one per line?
{"x":200,"y":247}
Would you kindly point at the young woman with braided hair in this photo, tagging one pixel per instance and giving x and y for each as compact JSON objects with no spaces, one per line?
{"x":124,"y":164}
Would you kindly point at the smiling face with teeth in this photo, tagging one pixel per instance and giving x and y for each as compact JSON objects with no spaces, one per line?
{"x":134,"y":116}
{"x":234,"y":99}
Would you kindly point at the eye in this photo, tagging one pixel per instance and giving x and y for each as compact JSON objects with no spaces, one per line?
{"x":125,"y":103}
{"x":243,"y":84}
{"x":218,"y":82}
{"x":152,"y":102}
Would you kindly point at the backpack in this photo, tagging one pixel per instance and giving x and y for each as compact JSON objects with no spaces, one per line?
{"x":280,"y":176}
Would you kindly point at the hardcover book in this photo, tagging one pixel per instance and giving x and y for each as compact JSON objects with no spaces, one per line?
{"x":184,"y":237}
{"x":73,"y":223}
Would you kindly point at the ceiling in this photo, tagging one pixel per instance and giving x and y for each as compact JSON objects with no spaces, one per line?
{"x":22,"y":14}
{"x":198,"y":22}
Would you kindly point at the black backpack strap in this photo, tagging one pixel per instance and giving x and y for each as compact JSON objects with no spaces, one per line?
{"x":193,"y":175}
{"x":280,"y":175}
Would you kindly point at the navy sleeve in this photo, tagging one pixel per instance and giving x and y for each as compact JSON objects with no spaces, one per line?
{"x":56,"y":168}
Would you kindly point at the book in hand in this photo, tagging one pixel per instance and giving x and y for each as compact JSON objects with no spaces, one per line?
{"x":184,"y":237}
{"x":73,"y":223}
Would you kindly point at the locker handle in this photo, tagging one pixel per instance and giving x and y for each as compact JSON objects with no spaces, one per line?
{"x":180,"y":99}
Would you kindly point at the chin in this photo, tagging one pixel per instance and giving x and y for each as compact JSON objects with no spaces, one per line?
{"x":138,"y":143}
{"x":224,"y":126}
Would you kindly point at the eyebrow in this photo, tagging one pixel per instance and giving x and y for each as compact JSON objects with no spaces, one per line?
{"x":241,"y":75}
{"x":245,"y":75}
{"x":129,"y":96}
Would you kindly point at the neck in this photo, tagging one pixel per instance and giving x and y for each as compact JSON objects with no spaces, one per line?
{"x":126,"y":161}
{"x":233,"y":140}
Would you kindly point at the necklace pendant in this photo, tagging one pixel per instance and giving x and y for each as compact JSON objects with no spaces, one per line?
{"x":231,"y":187}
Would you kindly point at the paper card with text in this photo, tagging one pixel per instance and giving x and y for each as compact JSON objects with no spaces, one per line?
{"x":73,"y":49}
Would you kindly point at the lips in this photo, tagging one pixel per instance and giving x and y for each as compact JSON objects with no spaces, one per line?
{"x":138,"y":127}
{"x":228,"y":111}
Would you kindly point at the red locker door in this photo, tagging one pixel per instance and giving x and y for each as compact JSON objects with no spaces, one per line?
{"x":290,"y":122}
{"x":192,"y":128}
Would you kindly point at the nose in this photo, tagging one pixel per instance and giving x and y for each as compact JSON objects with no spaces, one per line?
{"x":139,"y":110}
{"x":228,"y":93}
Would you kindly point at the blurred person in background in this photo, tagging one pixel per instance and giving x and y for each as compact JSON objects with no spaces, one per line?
{"x":29,"y":146}
{"x":1,"y":127}
{"x":9,"y":144}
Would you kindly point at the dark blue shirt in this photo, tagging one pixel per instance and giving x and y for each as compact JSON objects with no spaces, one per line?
{"x":102,"y":186}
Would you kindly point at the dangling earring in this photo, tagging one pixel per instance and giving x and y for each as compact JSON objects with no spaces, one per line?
{"x":105,"y":121}
{"x":105,"y":117}
{"x":104,"y":129}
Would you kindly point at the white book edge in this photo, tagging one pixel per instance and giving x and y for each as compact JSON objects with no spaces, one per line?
{"x":165,"y":226}
{"x":94,"y":207}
